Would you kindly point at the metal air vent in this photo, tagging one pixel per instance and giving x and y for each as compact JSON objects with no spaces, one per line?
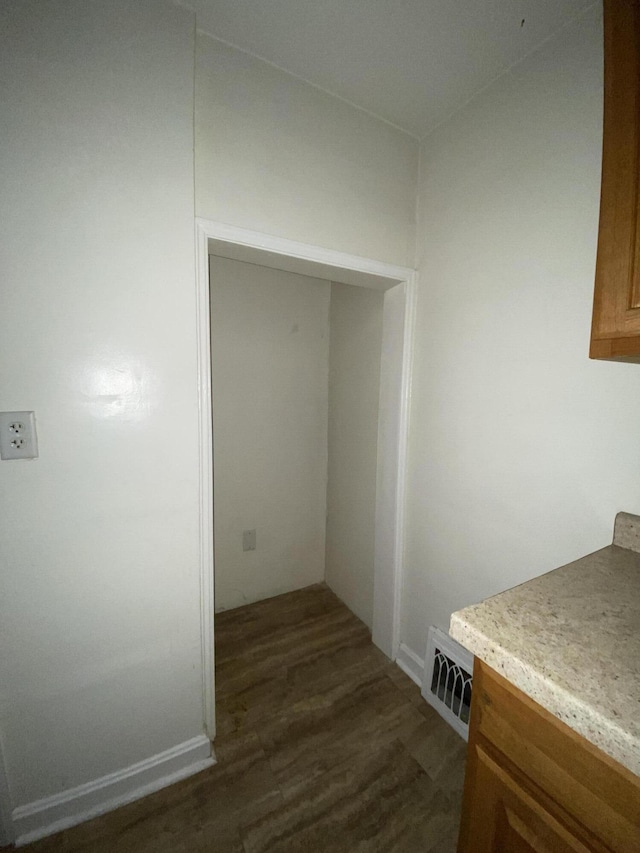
{"x":447,"y":681}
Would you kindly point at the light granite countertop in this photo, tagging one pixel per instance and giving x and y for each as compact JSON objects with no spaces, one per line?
{"x":570,"y":639}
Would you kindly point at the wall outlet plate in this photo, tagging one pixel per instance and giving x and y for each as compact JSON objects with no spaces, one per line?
{"x":18,"y":435}
{"x":248,"y":540}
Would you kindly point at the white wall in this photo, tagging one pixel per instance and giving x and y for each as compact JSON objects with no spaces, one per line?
{"x":354,"y":391}
{"x":521,"y":449}
{"x":276,"y":155}
{"x":99,"y":608}
{"x":270,"y":365}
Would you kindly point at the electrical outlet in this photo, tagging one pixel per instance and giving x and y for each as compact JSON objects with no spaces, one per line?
{"x":18,"y":435}
{"x":248,"y":540}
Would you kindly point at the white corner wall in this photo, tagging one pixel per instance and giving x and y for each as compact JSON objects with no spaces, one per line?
{"x":354,"y":391}
{"x":521,"y":449}
{"x":270,"y":365}
{"x":277,"y":155}
{"x":99,"y":610}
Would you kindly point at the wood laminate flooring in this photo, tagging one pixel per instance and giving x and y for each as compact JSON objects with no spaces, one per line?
{"x":322,"y":745}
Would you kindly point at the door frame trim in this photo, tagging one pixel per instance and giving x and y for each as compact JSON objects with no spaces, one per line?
{"x":393,"y":422}
{"x":7,"y":829}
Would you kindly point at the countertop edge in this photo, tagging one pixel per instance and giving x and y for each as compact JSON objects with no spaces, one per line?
{"x":601,"y":731}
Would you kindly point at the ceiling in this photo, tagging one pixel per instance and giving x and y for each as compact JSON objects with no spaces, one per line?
{"x":410,"y":62}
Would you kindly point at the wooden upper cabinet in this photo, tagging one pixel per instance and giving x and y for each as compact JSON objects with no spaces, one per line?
{"x":615,"y":332}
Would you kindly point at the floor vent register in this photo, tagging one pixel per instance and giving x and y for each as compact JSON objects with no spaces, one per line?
{"x":447,"y":680}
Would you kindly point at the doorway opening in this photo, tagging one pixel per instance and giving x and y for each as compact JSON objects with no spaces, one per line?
{"x":398,"y":287}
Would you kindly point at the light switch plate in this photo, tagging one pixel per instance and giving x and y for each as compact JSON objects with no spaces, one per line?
{"x":18,"y":435}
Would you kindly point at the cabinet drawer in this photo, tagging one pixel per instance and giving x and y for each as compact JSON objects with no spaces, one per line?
{"x":591,"y":787}
{"x":510,"y":815}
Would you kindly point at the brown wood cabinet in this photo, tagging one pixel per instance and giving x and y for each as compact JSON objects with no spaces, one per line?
{"x":533,"y":784}
{"x":615,"y":331}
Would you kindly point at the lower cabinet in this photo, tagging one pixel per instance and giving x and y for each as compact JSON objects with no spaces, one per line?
{"x":533,"y":784}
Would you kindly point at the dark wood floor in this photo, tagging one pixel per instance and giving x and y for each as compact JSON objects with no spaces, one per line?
{"x":322,"y":745}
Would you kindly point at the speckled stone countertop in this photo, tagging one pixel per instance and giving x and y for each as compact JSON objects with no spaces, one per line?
{"x":570,"y":640}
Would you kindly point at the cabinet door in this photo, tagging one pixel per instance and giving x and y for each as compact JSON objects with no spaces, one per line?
{"x":615,"y":332}
{"x":504,"y":816}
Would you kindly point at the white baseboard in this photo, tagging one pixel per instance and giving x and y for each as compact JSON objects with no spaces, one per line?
{"x":60,"y":811}
{"x":410,"y":663}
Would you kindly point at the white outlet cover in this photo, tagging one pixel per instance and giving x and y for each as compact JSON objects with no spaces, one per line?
{"x":18,"y":435}
{"x":248,"y":540}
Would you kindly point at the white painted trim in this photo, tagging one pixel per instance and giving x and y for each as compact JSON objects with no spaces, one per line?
{"x":403,"y":446}
{"x":69,"y":808}
{"x":7,"y":835}
{"x":410,"y":663}
{"x":205,"y":427}
{"x":393,"y":428}
{"x":304,"y":251}
{"x":390,"y":498}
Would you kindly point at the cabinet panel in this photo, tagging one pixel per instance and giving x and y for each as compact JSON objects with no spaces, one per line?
{"x":597,"y":791}
{"x":505,"y":816}
{"x":531,"y":780}
{"x":615,"y":332}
